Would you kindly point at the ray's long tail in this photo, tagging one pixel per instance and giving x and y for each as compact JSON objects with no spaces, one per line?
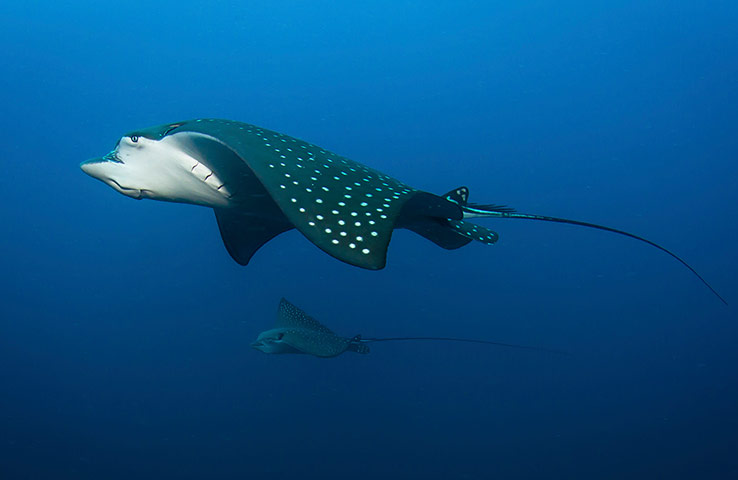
{"x":496,"y":211}
{"x":454,"y":339}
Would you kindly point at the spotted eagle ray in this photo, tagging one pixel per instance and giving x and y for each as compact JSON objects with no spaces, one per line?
{"x":262,"y":183}
{"x":297,"y":332}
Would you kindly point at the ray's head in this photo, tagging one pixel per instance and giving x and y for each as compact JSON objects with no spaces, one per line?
{"x":271,"y":341}
{"x":129,"y":169}
{"x":153,"y":164}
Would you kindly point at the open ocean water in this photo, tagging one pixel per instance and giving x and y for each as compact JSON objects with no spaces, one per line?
{"x":125,"y":327}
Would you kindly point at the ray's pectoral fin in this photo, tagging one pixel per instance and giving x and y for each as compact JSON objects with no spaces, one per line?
{"x":292,"y":316}
{"x":244,"y":234}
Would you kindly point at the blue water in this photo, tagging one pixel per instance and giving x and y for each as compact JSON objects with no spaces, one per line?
{"x":125,"y":325}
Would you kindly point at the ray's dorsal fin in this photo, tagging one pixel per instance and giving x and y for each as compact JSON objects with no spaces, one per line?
{"x":291,"y":316}
{"x":460,"y":196}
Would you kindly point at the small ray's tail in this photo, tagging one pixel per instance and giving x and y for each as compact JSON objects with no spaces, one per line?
{"x":497,"y":211}
{"x":465,"y":340}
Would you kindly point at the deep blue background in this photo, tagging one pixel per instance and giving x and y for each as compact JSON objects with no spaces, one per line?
{"x":125,"y":325}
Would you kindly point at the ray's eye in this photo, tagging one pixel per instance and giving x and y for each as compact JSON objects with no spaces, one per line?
{"x":134,"y":138}
{"x":280,"y":336}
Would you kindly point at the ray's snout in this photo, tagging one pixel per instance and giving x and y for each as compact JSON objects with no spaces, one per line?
{"x":262,"y":347}
{"x":92,"y":166}
{"x":97,"y":167}
{"x":108,"y":170}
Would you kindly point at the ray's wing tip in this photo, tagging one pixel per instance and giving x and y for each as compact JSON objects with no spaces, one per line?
{"x":377,"y":266}
{"x":378,"y":263}
{"x":243,"y":263}
{"x":367,"y":262}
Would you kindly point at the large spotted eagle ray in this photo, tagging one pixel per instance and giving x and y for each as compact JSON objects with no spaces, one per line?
{"x":297,"y":332}
{"x":262,"y":183}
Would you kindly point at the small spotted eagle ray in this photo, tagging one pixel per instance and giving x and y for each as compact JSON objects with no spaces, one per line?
{"x":262,"y":183}
{"x":297,"y":332}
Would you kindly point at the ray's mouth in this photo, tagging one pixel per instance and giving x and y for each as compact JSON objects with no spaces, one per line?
{"x":129,"y":192}
{"x":113,"y":157}
{"x":89,"y":165}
